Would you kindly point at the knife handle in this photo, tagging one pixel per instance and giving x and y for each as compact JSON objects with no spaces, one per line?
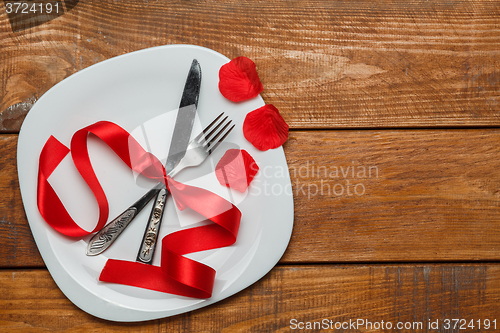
{"x":150,"y":238}
{"x":107,"y":235}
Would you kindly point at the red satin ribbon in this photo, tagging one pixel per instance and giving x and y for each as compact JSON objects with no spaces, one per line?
{"x":177,"y":274}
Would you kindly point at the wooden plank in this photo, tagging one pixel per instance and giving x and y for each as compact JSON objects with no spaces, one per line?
{"x":419,"y":195}
{"x":18,"y":246}
{"x":288,"y":297}
{"x":324,"y":64}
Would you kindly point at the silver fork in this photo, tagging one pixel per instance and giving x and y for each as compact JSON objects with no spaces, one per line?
{"x":197,"y":151}
{"x":203,"y":145}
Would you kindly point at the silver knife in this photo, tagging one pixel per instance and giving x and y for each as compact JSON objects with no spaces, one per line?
{"x":178,"y":146}
{"x":103,"y":239}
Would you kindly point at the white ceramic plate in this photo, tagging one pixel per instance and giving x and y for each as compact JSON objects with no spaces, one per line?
{"x":140,"y":91}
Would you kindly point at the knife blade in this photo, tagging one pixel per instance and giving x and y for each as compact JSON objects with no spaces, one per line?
{"x":180,"y":140}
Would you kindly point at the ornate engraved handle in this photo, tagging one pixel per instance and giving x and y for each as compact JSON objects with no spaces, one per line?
{"x":107,"y":235}
{"x":150,"y":238}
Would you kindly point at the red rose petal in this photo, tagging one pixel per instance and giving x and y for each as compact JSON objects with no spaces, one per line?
{"x":239,"y":81}
{"x":265,"y":128}
{"x":236,"y":169}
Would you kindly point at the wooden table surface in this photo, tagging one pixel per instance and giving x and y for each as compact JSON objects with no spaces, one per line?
{"x":409,"y":90}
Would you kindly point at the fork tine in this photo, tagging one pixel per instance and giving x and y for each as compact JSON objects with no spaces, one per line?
{"x":199,"y":136}
{"x":204,"y":145}
{"x":208,"y":137}
{"x":210,"y":140}
{"x":211,"y":149}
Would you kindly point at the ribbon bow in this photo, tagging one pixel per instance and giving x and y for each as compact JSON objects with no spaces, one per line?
{"x":177,"y":274}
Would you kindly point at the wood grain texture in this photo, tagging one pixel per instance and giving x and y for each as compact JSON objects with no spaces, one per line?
{"x":15,"y":234}
{"x":419,"y":195}
{"x":359,"y":196}
{"x":30,"y":301}
{"x":324,"y":64}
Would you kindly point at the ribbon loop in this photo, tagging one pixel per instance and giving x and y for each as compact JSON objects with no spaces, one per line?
{"x":177,"y":274}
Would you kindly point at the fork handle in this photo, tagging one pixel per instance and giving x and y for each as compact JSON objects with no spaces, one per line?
{"x":150,"y":238}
